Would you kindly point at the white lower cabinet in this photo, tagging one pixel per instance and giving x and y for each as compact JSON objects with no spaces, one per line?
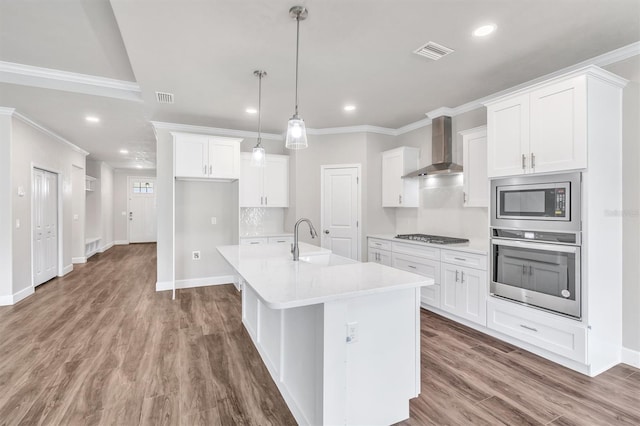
{"x":382,"y":257}
{"x":464,"y":289}
{"x":254,"y":241}
{"x":286,"y":239}
{"x":426,"y":263}
{"x":559,"y":335}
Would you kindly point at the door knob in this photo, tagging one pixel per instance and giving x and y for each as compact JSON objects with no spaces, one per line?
{"x":326,"y":231}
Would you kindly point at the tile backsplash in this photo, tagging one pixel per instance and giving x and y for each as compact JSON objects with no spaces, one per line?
{"x":255,"y":221}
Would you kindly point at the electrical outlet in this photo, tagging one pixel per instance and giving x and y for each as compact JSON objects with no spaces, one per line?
{"x":352,"y":332}
{"x":195,"y":255}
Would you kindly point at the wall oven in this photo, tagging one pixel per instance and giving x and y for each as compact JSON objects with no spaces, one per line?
{"x":535,"y":241}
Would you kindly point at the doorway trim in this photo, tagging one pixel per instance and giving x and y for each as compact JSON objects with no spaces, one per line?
{"x":60,"y":232}
{"x":359,"y":214}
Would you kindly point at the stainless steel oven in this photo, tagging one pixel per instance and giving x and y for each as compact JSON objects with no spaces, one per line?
{"x":535,"y":241}
{"x":537,"y":273}
{"x":540,"y":203}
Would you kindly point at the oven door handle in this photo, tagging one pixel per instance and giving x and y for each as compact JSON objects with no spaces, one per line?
{"x":563,"y":248}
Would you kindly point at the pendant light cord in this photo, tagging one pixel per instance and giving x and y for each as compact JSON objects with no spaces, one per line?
{"x":297,"y":50}
{"x":260,"y":107}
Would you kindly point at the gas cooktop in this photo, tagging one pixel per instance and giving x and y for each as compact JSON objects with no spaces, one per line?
{"x":432,"y":239}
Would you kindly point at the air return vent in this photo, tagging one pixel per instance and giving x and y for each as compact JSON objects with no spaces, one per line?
{"x":164,"y":98}
{"x":433,"y":51}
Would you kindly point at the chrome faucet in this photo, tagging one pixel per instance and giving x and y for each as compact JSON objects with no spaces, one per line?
{"x":294,"y":247}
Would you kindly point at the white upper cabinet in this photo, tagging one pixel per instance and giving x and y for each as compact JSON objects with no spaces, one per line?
{"x":539,"y":130}
{"x":266,"y":186}
{"x":559,"y":126}
{"x":398,"y":192}
{"x":206,"y":157}
{"x":475,"y":178}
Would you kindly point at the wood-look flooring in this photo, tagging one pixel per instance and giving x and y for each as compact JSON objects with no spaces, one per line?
{"x":100,"y":346}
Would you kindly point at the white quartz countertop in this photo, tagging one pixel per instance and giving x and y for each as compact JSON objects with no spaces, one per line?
{"x":473,"y":246}
{"x":282,"y":283}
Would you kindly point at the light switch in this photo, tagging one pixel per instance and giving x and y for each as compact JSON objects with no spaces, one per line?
{"x":21,"y":191}
{"x":124,"y":213}
{"x":76,"y":217}
{"x":17,"y":223}
{"x":214,"y":220}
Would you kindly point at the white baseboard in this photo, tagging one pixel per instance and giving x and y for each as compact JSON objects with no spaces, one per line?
{"x":67,"y":269}
{"x":631,"y":357}
{"x":121,"y":242}
{"x":16,"y":297}
{"x":82,"y":259}
{"x":105,"y":247}
{"x":196,"y":282}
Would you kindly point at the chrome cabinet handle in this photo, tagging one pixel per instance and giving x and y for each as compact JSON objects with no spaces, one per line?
{"x":204,"y":171}
{"x":457,"y":275}
{"x":524,"y":160}
{"x":411,"y":266}
{"x":529,"y":328}
{"x":265,"y":200}
{"x":326,"y":231}
{"x":462,"y":277}
{"x":399,"y":199}
{"x":261,"y":200}
{"x":533,"y":160}
{"x":460,"y":259}
{"x":210,"y":169}
{"x":530,"y":270}
{"x":524,"y":269}
{"x":254,"y":242}
{"x":464,"y":197}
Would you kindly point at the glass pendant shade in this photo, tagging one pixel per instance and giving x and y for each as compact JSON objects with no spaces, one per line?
{"x":258,"y":156}
{"x":296,"y":133}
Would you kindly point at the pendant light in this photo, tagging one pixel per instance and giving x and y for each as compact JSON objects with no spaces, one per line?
{"x":296,"y":131}
{"x":258,"y":155}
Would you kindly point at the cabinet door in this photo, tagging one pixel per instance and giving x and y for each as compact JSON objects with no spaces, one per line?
{"x":190,"y":156}
{"x":449,"y":288}
{"x":276,"y":181}
{"x":430,"y":295}
{"x":508,"y":137}
{"x":472,"y":304}
{"x":250,"y":184}
{"x":559,"y":126}
{"x":382,"y":257}
{"x":475,"y":178}
{"x":224,"y":159}
{"x":391,"y":178}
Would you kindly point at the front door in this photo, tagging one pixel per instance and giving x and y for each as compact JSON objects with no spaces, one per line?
{"x":341,"y":210}
{"x":142,"y":210}
{"x":45,"y":226}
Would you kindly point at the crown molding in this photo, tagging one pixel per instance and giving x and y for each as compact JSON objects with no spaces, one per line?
{"x":213,"y":131}
{"x":413,"y":126}
{"x":353,"y":129}
{"x":48,"y":132}
{"x":48,"y":78}
{"x":7,"y":111}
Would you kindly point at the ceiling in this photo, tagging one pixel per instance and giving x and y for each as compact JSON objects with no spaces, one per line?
{"x":351,"y":52}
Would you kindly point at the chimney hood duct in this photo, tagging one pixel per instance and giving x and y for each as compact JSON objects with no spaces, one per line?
{"x":441,"y":151}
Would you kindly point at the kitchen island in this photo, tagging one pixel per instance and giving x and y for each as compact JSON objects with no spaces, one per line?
{"x":340,"y":338}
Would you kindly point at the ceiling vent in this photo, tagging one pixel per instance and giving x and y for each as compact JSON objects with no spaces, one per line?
{"x":433,"y":51}
{"x":164,"y":98}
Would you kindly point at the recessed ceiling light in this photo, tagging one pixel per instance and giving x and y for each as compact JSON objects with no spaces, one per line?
{"x":349,"y":107}
{"x":124,"y":151}
{"x":251,"y":110}
{"x":92,"y":119}
{"x":138,"y":166}
{"x":484,"y":30}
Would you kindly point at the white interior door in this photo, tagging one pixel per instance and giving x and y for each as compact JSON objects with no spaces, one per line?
{"x":45,"y":226}
{"x":341,"y":210}
{"x":142,"y":210}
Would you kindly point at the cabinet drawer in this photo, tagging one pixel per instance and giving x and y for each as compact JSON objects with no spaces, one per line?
{"x":461,"y":258}
{"x":417,"y":265}
{"x":430,"y":295}
{"x":251,"y":241}
{"x":547,"y":331}
{"x":426,"y":252}
{"x":280,"y":240}
{"x":380,"y":244}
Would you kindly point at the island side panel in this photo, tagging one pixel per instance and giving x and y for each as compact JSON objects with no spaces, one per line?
{"x":371,"y":379}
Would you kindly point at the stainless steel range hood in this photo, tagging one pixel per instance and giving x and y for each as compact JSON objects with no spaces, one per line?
{"x":441,"y":151}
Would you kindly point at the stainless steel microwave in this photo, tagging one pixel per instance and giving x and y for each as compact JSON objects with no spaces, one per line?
{"x":540,"y":203}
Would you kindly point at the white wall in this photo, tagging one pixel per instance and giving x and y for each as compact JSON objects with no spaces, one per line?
{"x":441,"y":198}
{"x":106,"y":196}
{"x":78,"y":210}
{"x":630,"y":69}
{"x":6,"y":221}
{"x":31,"y":146}
{"x":120,"y":196}
{"x":196,"y":204}
{"x":164,"y":204}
